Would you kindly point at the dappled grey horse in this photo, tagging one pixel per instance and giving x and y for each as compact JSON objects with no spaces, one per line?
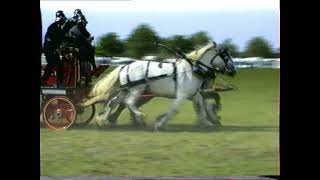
{"x":207,"y":94}
{"x":178,"y":81}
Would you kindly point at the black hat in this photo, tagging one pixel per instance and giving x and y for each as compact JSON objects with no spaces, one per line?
{"x":60,"y":14}
{"x":77,"y":12}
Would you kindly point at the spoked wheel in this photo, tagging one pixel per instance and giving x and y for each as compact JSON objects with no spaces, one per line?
{"x":59,"y":113}
{"x":85,"y":115}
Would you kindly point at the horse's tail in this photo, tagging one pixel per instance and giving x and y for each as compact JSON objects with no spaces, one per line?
{"x":102,"y":89}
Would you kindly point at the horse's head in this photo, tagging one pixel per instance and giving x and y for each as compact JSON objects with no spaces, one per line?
{"x":217,"y":58}
{"x":228,"y":64}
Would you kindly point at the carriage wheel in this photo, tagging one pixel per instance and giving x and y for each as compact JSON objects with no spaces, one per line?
{"x":59,"y":113}
{"x":85,"y":115}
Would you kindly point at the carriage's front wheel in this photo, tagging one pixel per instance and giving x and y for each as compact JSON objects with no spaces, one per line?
{"x":59,"y":113}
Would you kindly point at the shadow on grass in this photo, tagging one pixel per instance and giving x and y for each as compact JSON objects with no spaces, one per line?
{"x":178,"y":128}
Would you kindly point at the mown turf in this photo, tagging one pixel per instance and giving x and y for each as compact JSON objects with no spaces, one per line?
{"x":246,"y":144}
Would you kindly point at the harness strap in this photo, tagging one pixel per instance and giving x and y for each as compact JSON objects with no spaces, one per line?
{"x":204,"y":73}
{"x":142,"y":81}
{"x":147,"y":71}
{"x":146,"y":79}
{"x":122,"y":68}
{"x":212,"y":59}
{"x":175,"y":77}
{"x":128,"y":78}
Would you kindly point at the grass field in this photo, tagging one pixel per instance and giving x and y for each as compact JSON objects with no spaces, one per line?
{"x":247,"y":143}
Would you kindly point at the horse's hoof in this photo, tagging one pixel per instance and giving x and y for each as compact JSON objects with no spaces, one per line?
{"x":209,"y":124}
{"x":143,"y":123}
{"x":98,"y":125}
{"x":111,"y":125}
{"x":135,"y":124}
{"x":158,"y":119}
{"x":156,"y":127}
{"x":143,"y":115}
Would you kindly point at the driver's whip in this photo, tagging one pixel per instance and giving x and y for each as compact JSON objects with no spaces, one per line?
{"x":170,"y":50}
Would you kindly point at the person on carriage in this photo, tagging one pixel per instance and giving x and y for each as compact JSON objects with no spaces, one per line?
{"x":82,"y":39}
{"x":71,"y":22}
{"x":53,"y":39}
{"x":69,"y":38}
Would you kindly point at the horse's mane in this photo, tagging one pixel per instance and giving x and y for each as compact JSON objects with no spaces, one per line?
{"x":196,"y":54}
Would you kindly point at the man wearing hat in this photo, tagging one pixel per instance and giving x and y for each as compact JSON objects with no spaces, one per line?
{"x":82,"y":39}
{"x":71,"y":21}
{"x":52,"y":42}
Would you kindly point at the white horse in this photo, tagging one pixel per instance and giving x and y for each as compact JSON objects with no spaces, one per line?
{"x":114,"y":109}
{"x":179,"y":81}
{"x":210,"y":108}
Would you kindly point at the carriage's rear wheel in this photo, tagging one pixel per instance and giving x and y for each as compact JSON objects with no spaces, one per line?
{"x":59,"y":113}
{"x":85,"y":115}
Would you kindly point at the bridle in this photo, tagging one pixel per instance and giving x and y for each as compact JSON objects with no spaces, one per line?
{"x":210,"y":71}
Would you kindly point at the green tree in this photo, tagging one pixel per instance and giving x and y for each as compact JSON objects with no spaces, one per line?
{"x":277,"y":53}
{"x":181,"y":42}
{"x":164,"y":53}
{"x":200,"y":38}
{"x":233,"y":48}
{"x":110,"y":45}
{"x":141,"y":41}
{"x":258,"y":46}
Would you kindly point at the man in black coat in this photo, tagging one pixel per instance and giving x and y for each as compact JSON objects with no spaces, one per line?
{"x":71,"y":22}
{"x":53,"y":40}
{"x":82,"y":39}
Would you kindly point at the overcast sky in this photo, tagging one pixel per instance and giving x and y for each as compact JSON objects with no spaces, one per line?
{"x":237,"y":19}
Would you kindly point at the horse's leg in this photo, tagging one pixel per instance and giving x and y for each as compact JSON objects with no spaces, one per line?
{"x":109,"y":106}
{"x":140,"y":102}
{"x":217,"y":99}
{"x":200,"y":107}
{"x":197,"y":109}
{"x":134,"y":94}
{"x":211,"y":110}
{"x":163,"y":118}
{"x":113,"y":118}
{"x":102,"y":117}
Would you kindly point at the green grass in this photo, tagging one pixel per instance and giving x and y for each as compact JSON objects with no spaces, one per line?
{"x":247,"y":144}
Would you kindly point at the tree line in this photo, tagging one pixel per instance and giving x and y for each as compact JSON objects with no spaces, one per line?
{"x":141,"y":42}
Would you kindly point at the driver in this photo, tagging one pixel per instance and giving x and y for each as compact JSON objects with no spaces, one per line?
{"x":82,"y":39}
{"x":71,"y":21}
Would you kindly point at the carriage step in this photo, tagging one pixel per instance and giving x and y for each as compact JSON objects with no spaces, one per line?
{"x":54,"y":91}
